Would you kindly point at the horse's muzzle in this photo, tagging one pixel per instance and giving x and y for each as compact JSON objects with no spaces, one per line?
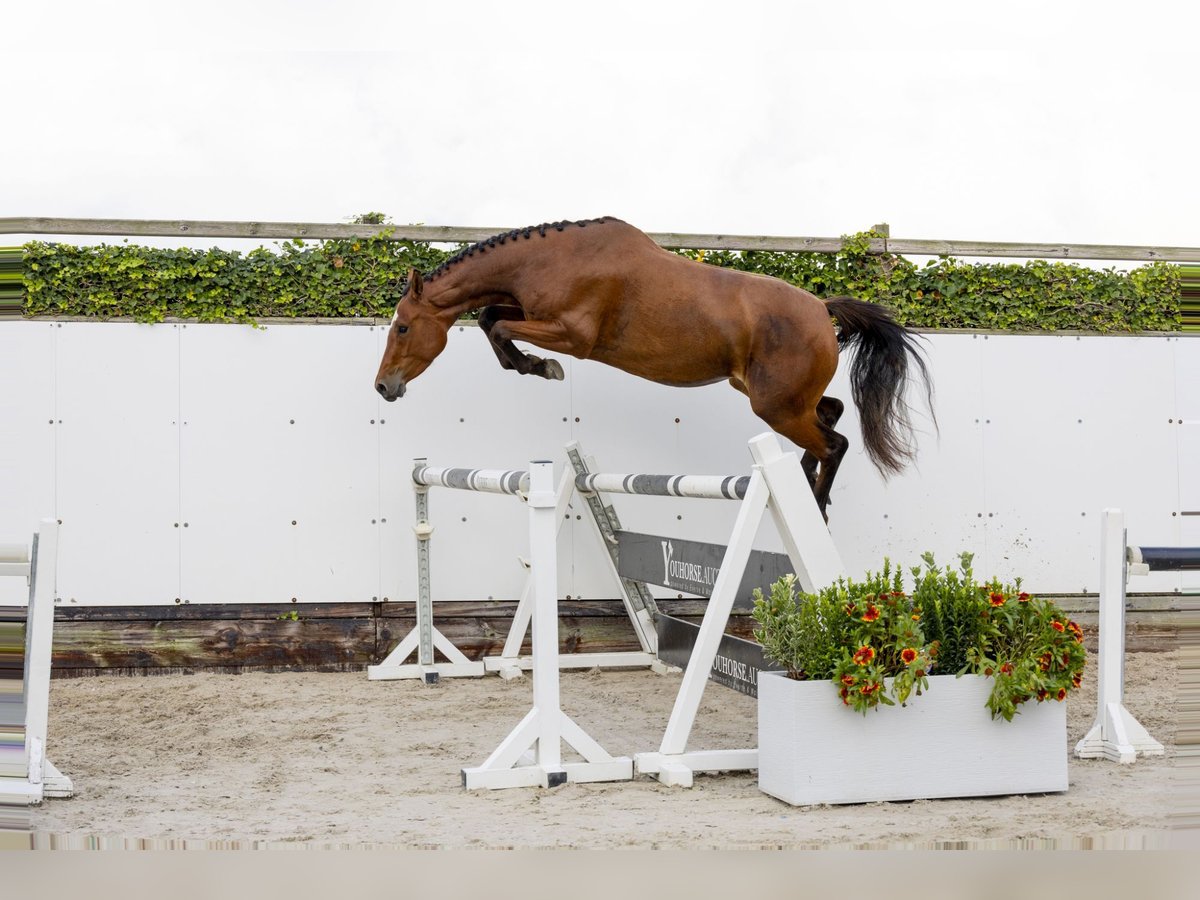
{"x":390,"y":388}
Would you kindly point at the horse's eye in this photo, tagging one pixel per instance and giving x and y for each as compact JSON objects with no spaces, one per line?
{"x":401,"y":329}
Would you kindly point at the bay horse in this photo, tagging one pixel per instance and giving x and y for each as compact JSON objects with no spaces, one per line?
{"x":603,"y":290}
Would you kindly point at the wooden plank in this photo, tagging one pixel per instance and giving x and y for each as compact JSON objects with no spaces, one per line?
{"x":1041,"y":251}
{"x":456,"y":234}
{"x":215,"y":637}
{"x":101,"y":644}
{"x":215,"y":611}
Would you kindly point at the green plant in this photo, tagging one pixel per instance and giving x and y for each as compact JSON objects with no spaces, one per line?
{"x":805,"y":634}
{"x":950,"y":603}
{"x":1028,"y":647}
{"x":949,"y":293}
{"x":865,"y":636}
{"x":878,"y":644}
{"x":340,"y":278}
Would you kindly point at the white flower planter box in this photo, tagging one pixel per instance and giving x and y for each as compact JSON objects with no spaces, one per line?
{"x":813,"y":749}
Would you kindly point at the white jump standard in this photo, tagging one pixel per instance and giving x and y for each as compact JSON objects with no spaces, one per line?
{"x":425,"y":638}
{"x":531,"y":755}
{"x":1116,"y":734}
{"x":26,"y":775}
{"x":776,"y":483}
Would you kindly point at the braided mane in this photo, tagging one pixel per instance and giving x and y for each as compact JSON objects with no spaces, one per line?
{"x":498,"y":240}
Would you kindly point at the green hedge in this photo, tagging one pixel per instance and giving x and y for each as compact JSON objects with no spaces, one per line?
{"x":335,"y":278}
{"x":949,"y":293}
{"x":363,"y":277}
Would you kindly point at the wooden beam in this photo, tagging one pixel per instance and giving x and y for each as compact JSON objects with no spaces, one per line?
{"x":455,"y":235}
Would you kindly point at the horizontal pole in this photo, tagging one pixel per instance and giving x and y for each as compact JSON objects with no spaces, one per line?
{"x":1167,"y":559}
{"x":708,"y":487}
{"x":491,"y":481}
{"x":673,"y":240}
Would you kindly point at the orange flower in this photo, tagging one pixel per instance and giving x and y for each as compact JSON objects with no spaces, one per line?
{"x":850,"y":608}
{"x":997,"y":599}
{"x":916,"y":617}
{"x":908,"y":655}
{"x":1022,"y":597}
{"x":920,"y":673}
{"x":1006,"y":669}
{"x":1061,"y":695}
{"x":864,"y":655}
{"x":1042,"y":695}
{"x":848,"y":680}
{"x":870,"y":688}
{"x":1044,"y":662}
{"x":871,"y":614}
{"x":1077,"y":679}
{"x":1058,"y":626}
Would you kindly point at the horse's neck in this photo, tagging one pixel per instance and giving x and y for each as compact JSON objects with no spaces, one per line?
{"x":472,"y":283}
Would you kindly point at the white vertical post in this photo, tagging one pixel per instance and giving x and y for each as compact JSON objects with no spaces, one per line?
{"x":1116,"y":735}
{"x":545,"y":726}
{"x":40,"y":777}
{"x":43,"y":566}
{"x":543,"y":554}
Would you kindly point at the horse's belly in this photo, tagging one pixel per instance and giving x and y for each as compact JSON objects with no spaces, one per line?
{"x":678,"y":366}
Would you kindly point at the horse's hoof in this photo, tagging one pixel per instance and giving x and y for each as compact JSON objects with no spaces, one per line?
{"x":552,"y":369}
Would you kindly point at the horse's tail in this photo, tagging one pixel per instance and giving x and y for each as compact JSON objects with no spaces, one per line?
{"x":879,"y":377}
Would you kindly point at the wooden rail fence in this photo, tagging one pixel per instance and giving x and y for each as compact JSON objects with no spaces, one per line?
{"x":448,"y":234}
{"x":12,"y":291}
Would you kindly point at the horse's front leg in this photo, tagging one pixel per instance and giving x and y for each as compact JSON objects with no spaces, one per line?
{"x":506,"y":351}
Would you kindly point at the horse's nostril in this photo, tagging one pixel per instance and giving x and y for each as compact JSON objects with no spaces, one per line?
{"x":381,"y":387}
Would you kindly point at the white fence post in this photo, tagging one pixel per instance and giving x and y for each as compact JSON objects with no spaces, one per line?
{"x":1116,"y":734}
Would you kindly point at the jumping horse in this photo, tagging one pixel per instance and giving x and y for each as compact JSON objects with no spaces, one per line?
{"x":603,"y":290}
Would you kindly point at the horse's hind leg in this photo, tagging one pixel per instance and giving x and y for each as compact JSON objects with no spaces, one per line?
{"x":810,"y":428}
{"x":506,"y":351}
{"x":829,"y":410}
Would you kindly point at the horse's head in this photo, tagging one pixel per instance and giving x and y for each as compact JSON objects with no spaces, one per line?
{"x":417,"y":335}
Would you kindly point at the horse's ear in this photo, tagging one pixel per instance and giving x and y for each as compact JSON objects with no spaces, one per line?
{"x":415,"y":284}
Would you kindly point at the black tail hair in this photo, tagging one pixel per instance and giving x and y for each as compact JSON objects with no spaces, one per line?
{"x":879,"y":377}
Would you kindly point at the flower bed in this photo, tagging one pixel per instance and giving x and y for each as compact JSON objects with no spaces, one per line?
{"x":991,"y":721}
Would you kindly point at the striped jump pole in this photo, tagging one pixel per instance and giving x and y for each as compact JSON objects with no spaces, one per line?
{"x":704,"y":487}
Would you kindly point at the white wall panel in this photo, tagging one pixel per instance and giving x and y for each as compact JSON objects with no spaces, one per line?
{"x":280,"y":464}
{"x":1068,"y":430}
{"x":118,"y":462}
{"x":1186,"y":352}
{"x":279,"y":429}
{"x":936,"y":504}
{"x":27,"y":437}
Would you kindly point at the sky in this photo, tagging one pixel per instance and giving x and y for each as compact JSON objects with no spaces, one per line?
{"x":1022,"y":121}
